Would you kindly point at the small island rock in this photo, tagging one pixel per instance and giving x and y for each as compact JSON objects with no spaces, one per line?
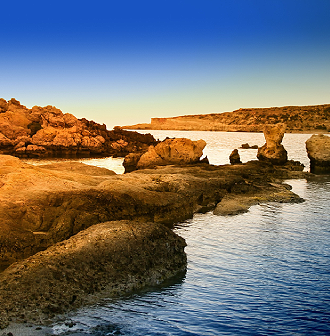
{"x":234,"y":157}
{"x":318,"y":151}
{"x":272,"y":151}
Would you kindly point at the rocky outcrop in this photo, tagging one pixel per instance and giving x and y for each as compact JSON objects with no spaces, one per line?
{"x":170,"y":151}
{"x":236,"y":204}
{"x":106,"y":260}
{"x":247,"y":146}
{"x":59,"y":223}
{"x":46,"y":131}
{"x":272,"y":150}
{"x":42,"y":205}
{"x":234,"y":157}
{"x":318,"y":151}
{"x":297,"y":118}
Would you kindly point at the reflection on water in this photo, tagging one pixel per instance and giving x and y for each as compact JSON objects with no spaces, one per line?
{"x":264,"y":272}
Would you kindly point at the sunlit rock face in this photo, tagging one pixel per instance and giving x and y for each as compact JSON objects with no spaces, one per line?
{"x":273,"y":151}
{"x":318,"y":151}
{"x":170,"y":151}
{"x":47,"y":131}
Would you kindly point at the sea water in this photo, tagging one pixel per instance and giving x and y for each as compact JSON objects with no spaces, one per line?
{"x":265,"y":272}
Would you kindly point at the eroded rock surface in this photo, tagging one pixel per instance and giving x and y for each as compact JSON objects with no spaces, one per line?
{"x":51,"y":225}
{"x":318,"y":151}
{"x":42,"y":205}
{"x":273,"y":151}
{"x":46,"y":131}
{"x":170,"y":151}
{"x":106,"y":259}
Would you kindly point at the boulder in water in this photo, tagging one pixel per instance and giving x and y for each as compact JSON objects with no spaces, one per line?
{"x":318,"y":151}
{"x":170,"y":151}
{"x":234,"y":157}
{"x":273,"y":151}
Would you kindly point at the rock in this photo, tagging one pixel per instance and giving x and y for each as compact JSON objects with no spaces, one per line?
{"x":240,"y":203}
{"x":42,"y":205}
{"x":104,"y":260}
{"x":170,"y":151}
{"x":247,"y":146}
{"x":234,"y":157}
{"x":272,"y":151}
{"x":62,"y":135}
{"x":130,"y":162}
{"x":318,"y":151}
{"x":297,"y":118}
{"x":3,"y":105}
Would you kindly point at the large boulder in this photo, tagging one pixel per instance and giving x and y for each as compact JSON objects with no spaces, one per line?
{"x":170,"y":151}
{"x":273,"y":151}
{"x":318,"y":151}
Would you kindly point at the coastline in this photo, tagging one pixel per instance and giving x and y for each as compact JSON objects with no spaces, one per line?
{"x":84,"y":199}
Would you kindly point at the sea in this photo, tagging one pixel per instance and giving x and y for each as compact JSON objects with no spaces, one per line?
{"x":265,"y":272}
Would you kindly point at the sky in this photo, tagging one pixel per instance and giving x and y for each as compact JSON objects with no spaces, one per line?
{"x":124,"y":62}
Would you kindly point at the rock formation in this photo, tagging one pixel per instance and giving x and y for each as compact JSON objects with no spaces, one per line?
{"x":46,"y":131}
{"x":59,"y":223}
{"x":104,"y":260}
{"x":170,"y":151}
{"x":318,"y":151}
{"x":272,"y":150}
{"x":247,"y":146}
{"x":297,"y":118}
{"x":234,"y":157}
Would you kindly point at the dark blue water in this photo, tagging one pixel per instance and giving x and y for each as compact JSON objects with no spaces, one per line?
{"x":266,"y":272}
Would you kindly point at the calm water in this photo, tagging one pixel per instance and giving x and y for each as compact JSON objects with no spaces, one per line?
{"x":265,"y":272}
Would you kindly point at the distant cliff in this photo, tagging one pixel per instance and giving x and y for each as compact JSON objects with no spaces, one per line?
{"x":297,"y":119}
{"x":48,"y":132}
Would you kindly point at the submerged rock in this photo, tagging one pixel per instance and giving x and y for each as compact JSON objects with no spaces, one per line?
{"x":318,"y":151}
{"x":272,"y":151}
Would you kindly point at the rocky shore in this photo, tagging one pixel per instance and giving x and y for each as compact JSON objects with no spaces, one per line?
{"x":307,"y":119}
{"x":105,"y":260}
{"x":48,"y":132}
{"x":71,"y":233}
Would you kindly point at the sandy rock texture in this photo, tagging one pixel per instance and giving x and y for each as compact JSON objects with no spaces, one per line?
{"x":170,"y":151}
{"x":273,"y":151}
{"x":298,"y":119}
{"x":318,"y":151}
{"x":47,"y":131}
{"x":43,"y":205}
{"x":106,"y":260}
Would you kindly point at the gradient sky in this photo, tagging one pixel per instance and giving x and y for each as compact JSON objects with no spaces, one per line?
{"x":123,"y":62}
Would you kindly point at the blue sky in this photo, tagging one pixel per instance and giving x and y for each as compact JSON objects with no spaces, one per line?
{"x":123,"y":62}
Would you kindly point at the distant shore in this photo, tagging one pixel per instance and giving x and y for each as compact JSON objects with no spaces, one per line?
{"x":299,"y":119}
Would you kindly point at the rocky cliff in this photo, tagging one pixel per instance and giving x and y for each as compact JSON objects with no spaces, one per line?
{"x":297,"y":119}
{"x":46,"y":131}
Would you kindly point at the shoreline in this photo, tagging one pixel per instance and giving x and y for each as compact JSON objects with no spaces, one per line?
{"x":61,"y":203}
{"x":223,"y":131}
